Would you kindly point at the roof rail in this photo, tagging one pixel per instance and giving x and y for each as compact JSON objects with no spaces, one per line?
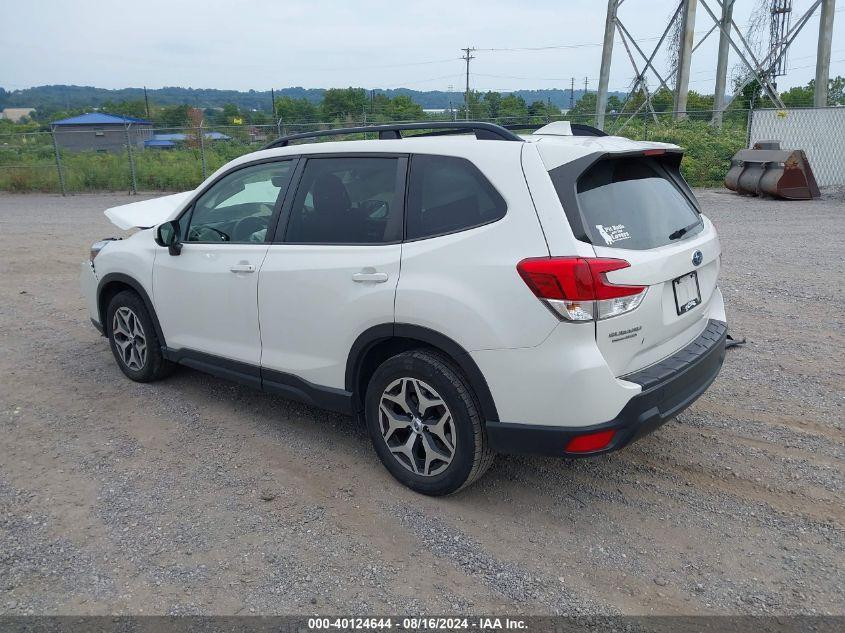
{"x":578,"y":129}
{"x":482,"y":130}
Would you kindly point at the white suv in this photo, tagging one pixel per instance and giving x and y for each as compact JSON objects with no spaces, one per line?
{"x":465,"y":291}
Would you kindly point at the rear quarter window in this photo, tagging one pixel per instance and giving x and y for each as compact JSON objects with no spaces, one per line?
{"x":630,"y":202}
{"x":448,"y":194}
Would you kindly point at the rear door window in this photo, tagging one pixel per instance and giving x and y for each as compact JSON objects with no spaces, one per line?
{"x":632,"y":203}
{"x":448,"y":194}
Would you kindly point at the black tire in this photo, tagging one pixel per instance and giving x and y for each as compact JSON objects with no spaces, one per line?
{"x":471,"y":456}
{"x":154,"y":366}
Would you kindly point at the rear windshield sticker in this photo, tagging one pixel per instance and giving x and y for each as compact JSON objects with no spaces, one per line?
{"x":613,"y":234}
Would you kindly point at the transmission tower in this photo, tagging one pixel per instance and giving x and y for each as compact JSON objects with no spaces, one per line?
{"x":762,"y":68}
{"x":781,"y":16}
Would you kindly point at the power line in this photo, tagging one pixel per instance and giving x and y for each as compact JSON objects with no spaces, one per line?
{"x":520,"y":49}
{"x":832,"y":61}
{"x":422,"y":81}
{"x":526,"y":78}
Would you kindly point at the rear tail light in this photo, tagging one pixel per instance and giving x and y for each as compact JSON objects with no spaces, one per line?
{"x":590,"y":443}
{"x":577,"y":289}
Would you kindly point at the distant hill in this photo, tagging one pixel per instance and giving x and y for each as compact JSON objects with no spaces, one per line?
{"x":48,"y":99}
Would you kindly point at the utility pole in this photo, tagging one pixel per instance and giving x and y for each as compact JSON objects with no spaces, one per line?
{"x":722,"y":62}
{"x":684,"y":58}
{"x":146,"y":102}
{"x":467,"y":57}
{"x":823,"y":53}
{"x":572,"y":93}
{"x":273,"y":99}
{"x":586,"y":83}
{"x":606,"y":58}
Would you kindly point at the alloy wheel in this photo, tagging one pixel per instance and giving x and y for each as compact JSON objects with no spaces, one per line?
{"x":417,"y":426}
{"x":129,"y":337}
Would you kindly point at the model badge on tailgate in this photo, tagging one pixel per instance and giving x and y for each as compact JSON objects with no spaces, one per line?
{"x":623,"y":335}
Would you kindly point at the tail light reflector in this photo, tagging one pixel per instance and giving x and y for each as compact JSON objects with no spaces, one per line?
{"x":577,"y":289}
{"x":590,"y":443}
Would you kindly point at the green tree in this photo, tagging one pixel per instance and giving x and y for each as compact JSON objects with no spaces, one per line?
{"x":663,"y":100}
{"x":750,"y":96}
{"x":477,"y":109}
{"x":537,"y":108}
{"x":836,"y":91}
{"x":699,"y":106}
{"x":229,"y":114}
{"x":291,"y":110}
{"x":585,"y":106}
{"x":513,"y":108}
{"x":543,"y":109}
{"x":798,"y":96}
{"x":379,"y":108}
{"x":135,"y":108}
{"x":257,"y":117}
{"x":172,"y":116}
{"x":493,"y":103}
{"x":403,"y":108}
{"x":339,"y":103}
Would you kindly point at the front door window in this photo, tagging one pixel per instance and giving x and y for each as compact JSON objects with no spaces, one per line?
{"x":239,"y":206}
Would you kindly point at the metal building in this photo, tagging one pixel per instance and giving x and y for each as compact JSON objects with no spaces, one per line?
{"x":101,"y":132}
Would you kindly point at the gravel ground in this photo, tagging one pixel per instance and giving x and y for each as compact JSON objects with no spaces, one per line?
{"x":193,"y":495}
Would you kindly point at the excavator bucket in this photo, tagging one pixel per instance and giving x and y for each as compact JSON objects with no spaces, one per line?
{"x":769,"y":170}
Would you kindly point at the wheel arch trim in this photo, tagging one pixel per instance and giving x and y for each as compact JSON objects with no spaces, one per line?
{"x":126,"y":280}
{"x":377,"y":334}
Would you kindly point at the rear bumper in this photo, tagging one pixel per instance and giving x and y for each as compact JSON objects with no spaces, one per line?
{"x":668,"y":387}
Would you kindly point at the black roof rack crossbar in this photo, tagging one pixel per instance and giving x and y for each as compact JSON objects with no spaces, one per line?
{"x":482,"y":131}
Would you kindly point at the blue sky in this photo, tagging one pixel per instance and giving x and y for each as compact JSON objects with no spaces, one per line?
{"x":317,"y":43}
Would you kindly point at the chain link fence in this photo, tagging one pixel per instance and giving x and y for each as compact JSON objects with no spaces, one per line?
{"x":820,"y":132}
{"x":178,"y":159}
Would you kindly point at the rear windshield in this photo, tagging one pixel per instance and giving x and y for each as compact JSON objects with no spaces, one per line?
{"x":634,"y":203}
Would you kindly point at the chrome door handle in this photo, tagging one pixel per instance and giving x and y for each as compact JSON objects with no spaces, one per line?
{"x":242,"y":268}
{"x":378,"y":278}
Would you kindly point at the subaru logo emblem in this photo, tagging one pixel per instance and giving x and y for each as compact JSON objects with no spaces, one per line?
{"x":697,"y":258}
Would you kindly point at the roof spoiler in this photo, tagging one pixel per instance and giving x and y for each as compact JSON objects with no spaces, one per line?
{"x":560,"y":128}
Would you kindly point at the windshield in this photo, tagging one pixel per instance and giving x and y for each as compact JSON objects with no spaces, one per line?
{"x":634,"y":203}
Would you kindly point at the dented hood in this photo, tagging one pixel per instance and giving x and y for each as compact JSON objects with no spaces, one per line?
{"x":147,"y":213}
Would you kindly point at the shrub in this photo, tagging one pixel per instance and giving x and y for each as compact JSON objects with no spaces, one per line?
{"x":29,"y":165}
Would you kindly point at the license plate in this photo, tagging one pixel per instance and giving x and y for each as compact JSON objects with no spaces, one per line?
{"x":687,"y":292}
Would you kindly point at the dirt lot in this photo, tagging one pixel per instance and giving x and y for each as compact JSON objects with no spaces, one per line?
{"x":117,"y":497}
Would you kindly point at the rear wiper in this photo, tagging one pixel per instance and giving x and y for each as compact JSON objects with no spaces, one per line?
{"x":681,"y":232}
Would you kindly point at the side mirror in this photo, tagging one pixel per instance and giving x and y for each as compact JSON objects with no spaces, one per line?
{"x":167,"y":234}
